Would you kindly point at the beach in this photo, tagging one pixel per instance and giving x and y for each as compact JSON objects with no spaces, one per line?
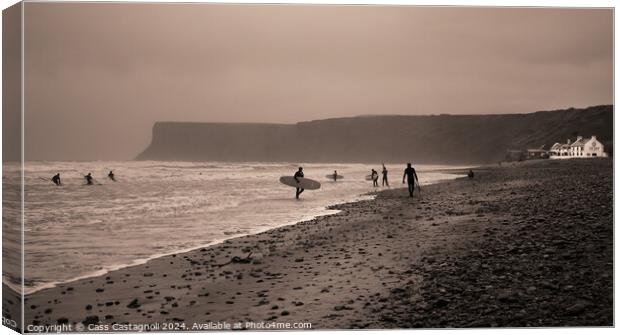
{"x":522,"y":244}
{"x":77,"y":231}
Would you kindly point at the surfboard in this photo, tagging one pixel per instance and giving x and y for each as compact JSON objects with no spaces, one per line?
{"x":331,"y":176}
{"x":369,"y":177}
{"x":305,"y":183}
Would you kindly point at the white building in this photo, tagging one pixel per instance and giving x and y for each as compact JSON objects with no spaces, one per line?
{"x":584,"y":147}
{"x":580,"y":148}
{"x":560,"y":150}
{"x":565,"y":148}
{"x":554,"y":150}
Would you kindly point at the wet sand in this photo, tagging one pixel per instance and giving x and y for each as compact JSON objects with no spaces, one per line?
{"x":526,"y":244}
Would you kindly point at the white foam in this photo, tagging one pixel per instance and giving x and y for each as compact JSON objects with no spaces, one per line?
{"x":159,"y":208}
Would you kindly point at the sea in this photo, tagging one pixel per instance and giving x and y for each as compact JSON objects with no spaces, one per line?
{"x":158,"y":208}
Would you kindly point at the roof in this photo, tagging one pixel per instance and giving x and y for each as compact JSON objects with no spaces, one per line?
{"x":556,"y":146}
{"x":580,"y":142}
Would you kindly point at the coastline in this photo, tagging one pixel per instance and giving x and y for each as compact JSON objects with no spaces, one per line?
{"x":224,"y":207}
{"x":334,"y":270}
{"x":328,"y":210}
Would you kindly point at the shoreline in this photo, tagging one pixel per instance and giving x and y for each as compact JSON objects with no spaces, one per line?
{"x":190,"y":249}
{"x":176,"y":252}
{"x":86,"y":271}
{"x":329,"y":208}
{"x":371,"y":265}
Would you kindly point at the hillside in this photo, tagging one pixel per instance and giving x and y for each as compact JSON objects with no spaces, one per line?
{"x":430,"y":139}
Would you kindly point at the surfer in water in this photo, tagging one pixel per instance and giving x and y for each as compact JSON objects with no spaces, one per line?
{"x":470,"y":174}
{"x":335,"y":175}
{"x":384,"y":181}
{"x":298,"y":174}
{"x":111,"y":175}
{"x":56,"y":179}
{"x":89,"y":179}
{"x":412,"y":178}
{"x":374,"y":176}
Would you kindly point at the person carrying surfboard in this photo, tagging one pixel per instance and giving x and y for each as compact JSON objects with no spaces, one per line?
{"x":335,"y":175}
{"x":89,"y":179}
{"x":375,"y":176}
{"x":384,"y":181}
{"x":56,"y":179}
{"x":298,"y":174}
{"x":412,"y":178}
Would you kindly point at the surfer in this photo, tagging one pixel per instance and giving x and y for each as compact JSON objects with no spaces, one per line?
{"x":374,"y":176}
{"x":111,"y":175}
{"x":384,"y":172}
{"x":298,"y":174}
{"x":335,"y":175}
{"x":56,"y":179}
{"x":89,"y":179}
{"x":470,"y":174}
{"x":412,"y":178}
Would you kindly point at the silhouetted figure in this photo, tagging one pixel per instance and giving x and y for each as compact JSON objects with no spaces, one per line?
{"x":298,"y":174}
{"x":384,"y":181}
{"x":56,"y":179}
{"x":335,"y":175}
{"x":111,"y":175}
{"x":412,"y":178}
{"x":375,"y":177}
{"x":470,"y":174}
{"x":89,"y":179}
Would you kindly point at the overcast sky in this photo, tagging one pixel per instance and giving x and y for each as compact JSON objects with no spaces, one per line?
{"x":99,"y":75}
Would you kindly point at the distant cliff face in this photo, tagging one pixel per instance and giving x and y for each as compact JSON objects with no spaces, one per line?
{"x":442,"y":139}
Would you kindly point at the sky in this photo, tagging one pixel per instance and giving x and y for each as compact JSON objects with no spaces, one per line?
{"x":97,"y":76}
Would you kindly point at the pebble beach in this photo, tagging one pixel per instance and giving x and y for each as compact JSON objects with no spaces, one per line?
{"x":526,"y":244}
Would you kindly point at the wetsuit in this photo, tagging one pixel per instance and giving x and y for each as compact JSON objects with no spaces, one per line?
{"x":384,"y":182}
{"x":412,"y":177}
{"x":56,"y":179}
{"x":298,"y":190}
{"x":375,"y":176}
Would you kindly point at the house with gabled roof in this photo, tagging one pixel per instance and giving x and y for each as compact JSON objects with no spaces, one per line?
{"x":560,"y":149}
{"x":565,"y":148}
{"x":587,"y":147}
{"x":576,"y":148}
{"x":580,"y":148}
{"x":555,"y":149}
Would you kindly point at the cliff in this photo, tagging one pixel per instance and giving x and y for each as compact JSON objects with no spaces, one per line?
{"x":431,"y":139}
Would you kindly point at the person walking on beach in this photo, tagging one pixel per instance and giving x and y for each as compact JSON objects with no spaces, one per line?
{"x":298,"y":174}
{"x":375,"y":177}
{"x":89,"y":179}
{"x":56,"y":179}
{"x":111,"y":175}
{"x":412,"y":178}
{"x":384,"y":181}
